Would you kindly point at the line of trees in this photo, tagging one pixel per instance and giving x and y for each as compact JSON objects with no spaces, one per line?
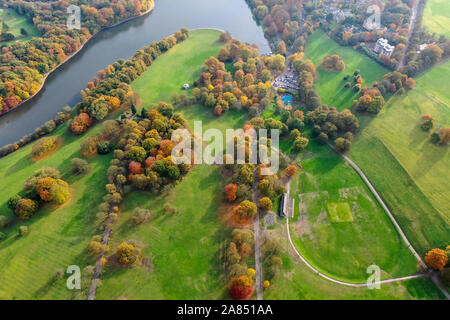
{"x":23,"y":65}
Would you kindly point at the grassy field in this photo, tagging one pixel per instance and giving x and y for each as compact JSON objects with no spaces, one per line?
{"x":436,"y":17}
{"x":393,"y":145}
{"x":182,"y":64}
{"x":15,"y":23}
{"x":58,"y":236}
{"x":297,"y":281}
{"x":185,"y":248}
{"x":330,"y":84}
{"x":338,"y":225}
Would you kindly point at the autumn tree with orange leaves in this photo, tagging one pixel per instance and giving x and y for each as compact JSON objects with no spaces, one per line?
{"x":291,"y":170}
{"x":436,"y":259}
{"x":230,"y":192}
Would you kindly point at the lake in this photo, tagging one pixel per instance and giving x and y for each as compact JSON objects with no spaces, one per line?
{"x":64,"y":85}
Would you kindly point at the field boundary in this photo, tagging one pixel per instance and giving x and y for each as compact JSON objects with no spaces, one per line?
{"x":349,"y":284}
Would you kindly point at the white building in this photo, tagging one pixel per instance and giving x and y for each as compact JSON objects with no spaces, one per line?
{"x":383,"y":46}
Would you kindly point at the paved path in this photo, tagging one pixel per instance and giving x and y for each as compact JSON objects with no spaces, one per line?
{"x":257,"y":231}
{"x":412,"y":23}
{"x":98,"y":264}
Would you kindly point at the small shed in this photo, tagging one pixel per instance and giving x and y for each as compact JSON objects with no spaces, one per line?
{"x":186,"y":86}
{"x":286,"y":206}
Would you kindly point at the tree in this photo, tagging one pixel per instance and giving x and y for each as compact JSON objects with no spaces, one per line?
{"x":79,"y":166}
{"x":103,"y":147}
{"x":249,"y":208}
{"x":431,"y":54}
{"x":141,"y":216}
{"x":12,"y":202}
{"x":43,"y":188}
{"x":135,"y":167}
{"x":81,"y":123}
{"x":322,"y":138}
{"x":241,"y":287}
{"x":291,"y":170}
{"x":281,"y":48}
{"x":26,"y":208}
{"x":300,"y":143}
{"x":89,"y":146}
{"x":332,"y":62}
{"x":230,"y":192}
{"x":44,"y":146}
{"x":342,"y":144}
{"x":95,"y":248}
{"x":60,"y":192}
{"x":137,"y":154}
{"x":427,"y":122}
{"x":225,"y":37}
{"x":444,"y":135}
{"x":99,"y":109}
{"x":127,"y":254}
{"x":436,"y":259}
{"x":265,"y":203}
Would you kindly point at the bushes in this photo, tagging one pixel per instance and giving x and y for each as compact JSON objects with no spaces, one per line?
{"x":23,"y":231}
{"x":265,"y":203}
{"x":12,"y":202}
{"x":332,"y":62}
{"x":26,"y":208}
{"x":241,"y":287}
{"x":137,"y":154}
{"x":81,"y":123}
{"x":103,"y":147}
{"x":89,"y":146}
{"x":59,"y":192}
{"x":141,"y":216}
{"x":342,"y":144}
{"x":79,"y":166}
{"x":291,"y":170}
{"x":230,"y":192}
{"x":436,"y":259}
{"x":44,"y":146}
{"x":127,"y":253}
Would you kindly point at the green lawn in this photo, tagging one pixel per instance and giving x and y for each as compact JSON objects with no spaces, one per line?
{"x":393,"y":145}
{"x":15,"y":22}
{"x":330,"y":84}
{"x":297,"y":282}
{"x":182,"y":64}
{"x":185,"y":248}
{"x":58,"y":236}
{"x":436,"y":17}
{"x":338,"y":225}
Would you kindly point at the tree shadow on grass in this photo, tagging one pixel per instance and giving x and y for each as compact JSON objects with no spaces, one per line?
{"x":24,"y":162}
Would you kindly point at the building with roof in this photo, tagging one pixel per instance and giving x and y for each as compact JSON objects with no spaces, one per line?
{"x":382,"y":46}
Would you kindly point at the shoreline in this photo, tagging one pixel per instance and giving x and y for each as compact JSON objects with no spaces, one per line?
{"x":46,"y":75}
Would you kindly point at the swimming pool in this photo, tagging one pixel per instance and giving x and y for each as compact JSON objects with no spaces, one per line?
{"x":287,"y":99}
